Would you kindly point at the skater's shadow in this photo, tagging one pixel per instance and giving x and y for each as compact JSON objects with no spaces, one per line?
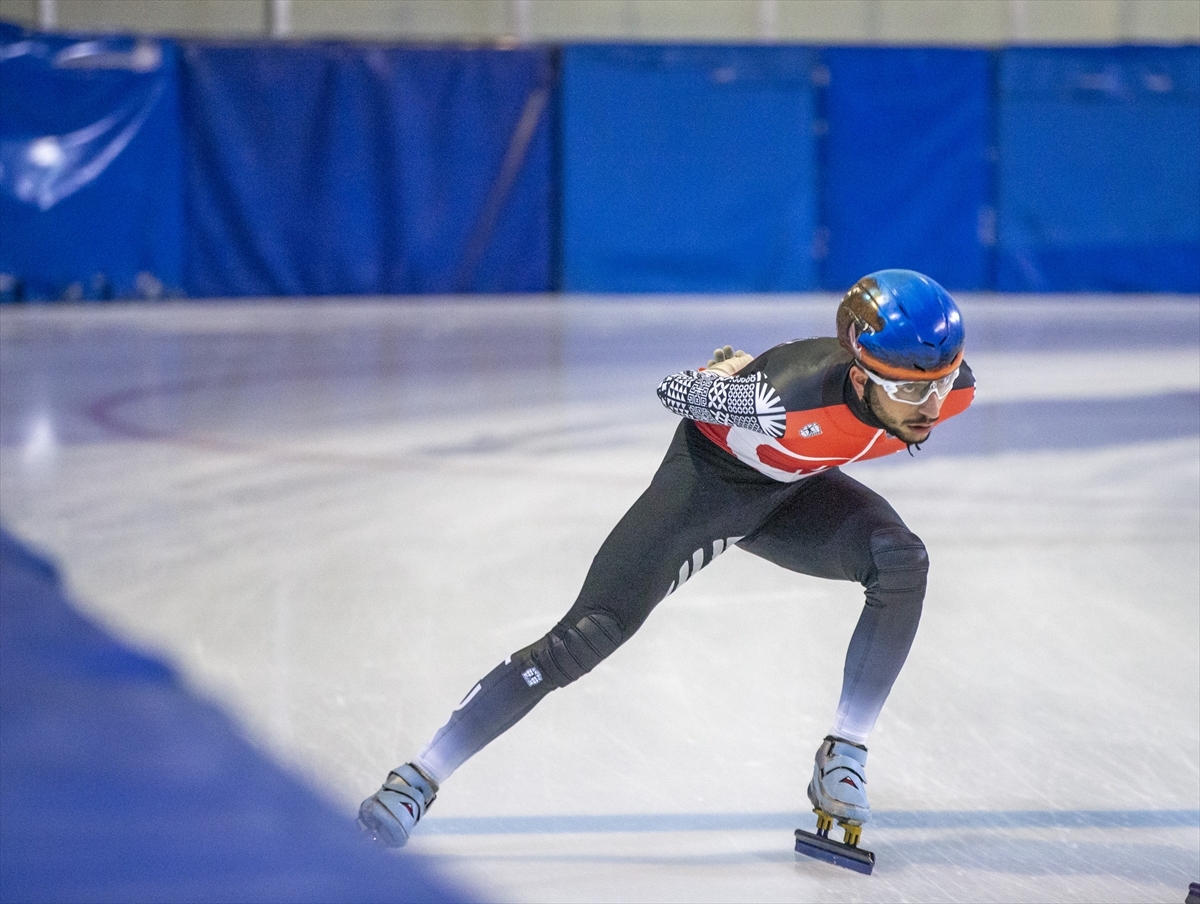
{"x":1135,"y":862}
{"x":1040,"y":842}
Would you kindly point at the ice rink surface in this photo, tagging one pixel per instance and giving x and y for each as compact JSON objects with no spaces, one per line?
{"x":337,"y":515}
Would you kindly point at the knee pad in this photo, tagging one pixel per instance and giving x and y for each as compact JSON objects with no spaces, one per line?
{"x":901,"y":564}
{"x":569,"y":652}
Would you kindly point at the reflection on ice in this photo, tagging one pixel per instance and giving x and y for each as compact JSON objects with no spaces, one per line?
{"x":41,"y":443}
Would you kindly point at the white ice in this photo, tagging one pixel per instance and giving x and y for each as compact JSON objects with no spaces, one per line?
{"x":336,"y":516}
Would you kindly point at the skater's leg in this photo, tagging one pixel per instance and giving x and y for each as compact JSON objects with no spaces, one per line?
{"x":698,"y":500}
{"x":496,"y":703}
{"x":837,"y":528}
{"x":885,"y":631}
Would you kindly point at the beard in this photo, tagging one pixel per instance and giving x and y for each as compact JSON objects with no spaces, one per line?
{"x":912,"y":428}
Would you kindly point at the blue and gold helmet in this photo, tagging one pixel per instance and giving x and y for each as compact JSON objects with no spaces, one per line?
{"x":901,"y":325}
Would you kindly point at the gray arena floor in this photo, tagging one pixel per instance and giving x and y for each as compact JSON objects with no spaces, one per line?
{"x":336,"y":515}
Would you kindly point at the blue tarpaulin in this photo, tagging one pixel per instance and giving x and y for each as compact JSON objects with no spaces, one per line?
{"x":906,"y":175}
{"x":687,"y":169}
{"x":335,"y":168}
{"x":1099,"y":174}
{"x":91,"y":198}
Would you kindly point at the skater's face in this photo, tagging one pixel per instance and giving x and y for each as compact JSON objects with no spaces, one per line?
{"x":911,"y":423}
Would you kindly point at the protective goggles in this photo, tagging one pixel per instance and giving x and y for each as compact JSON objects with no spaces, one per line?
{"x":915,"y":392}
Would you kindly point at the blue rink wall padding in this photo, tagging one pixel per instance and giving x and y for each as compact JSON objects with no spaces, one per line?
{"x":1099,"y":169}
{"x":91,"y":192}
{"x":687,"y":169}
{"x":336,"y":168}
{"x":141,"y":167}
{"x":118,"y":784}
{"x":906,"y":170}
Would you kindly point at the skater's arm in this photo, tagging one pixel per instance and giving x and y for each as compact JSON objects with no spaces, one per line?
{"x":714,"y":396}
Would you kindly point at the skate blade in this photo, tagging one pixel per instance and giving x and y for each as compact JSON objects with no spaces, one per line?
{"x":834,"y":852}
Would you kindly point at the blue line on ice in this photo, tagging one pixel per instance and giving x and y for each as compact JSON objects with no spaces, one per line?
{"x":895,"y":819}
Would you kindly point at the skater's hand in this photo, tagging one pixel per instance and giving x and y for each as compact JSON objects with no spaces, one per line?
{"x":727,"y":361}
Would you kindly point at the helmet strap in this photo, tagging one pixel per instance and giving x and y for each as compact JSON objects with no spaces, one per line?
{"x":872,"y":417}
{"x":866,"y":400}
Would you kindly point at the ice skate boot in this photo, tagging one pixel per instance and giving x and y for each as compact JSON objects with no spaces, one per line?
{"x":838,"y":790}
{"x":389,"y":814}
